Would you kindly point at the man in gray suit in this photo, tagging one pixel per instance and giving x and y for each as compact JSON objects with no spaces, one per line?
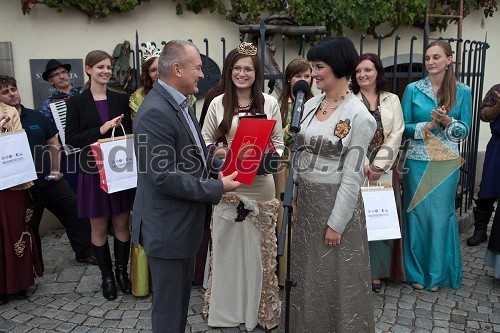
{"x":174,"y":189}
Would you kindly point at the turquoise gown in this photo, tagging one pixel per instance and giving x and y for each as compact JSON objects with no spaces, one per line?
{"x":430,"y":230}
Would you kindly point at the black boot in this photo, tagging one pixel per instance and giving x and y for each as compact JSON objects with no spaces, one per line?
{"x":122,"y":252}
{"x":481,"y":219}
{"x":103,"y":257}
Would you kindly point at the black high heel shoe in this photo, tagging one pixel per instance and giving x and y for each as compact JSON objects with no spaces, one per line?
{"x":21,"y":294}
{"x":376,"y":287}
{"x":4,"y":299}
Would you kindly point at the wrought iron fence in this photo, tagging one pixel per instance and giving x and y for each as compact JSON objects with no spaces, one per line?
{"x":403,"y":65}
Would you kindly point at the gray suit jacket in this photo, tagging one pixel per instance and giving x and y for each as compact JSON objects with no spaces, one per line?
{"x":174,"y":190}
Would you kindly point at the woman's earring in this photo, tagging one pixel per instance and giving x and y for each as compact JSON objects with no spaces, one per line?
{"x":446,"y":68}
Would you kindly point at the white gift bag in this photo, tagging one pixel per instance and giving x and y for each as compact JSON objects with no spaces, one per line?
{"x":381,"y":214}
{"x":115,"y":159}
{"x":16,"y":162}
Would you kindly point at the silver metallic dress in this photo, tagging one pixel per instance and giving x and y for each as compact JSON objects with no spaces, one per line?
{"x":333,"y":291}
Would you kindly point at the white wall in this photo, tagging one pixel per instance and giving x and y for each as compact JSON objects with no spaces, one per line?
{"x":45,"y":33}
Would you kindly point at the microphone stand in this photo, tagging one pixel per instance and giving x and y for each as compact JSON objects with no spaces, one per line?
{"x":286,"y":229}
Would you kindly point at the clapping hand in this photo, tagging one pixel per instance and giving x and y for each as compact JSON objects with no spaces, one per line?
{"x":439,"y":116}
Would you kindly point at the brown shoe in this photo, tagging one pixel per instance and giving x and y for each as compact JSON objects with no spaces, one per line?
{"x":90,"y":259}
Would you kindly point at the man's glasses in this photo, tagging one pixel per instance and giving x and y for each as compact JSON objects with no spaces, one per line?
{"x":246,"y":70}
{"x":63,"y":72}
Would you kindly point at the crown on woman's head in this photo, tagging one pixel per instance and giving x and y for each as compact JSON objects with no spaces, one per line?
{"x":302,"y":61}
{"x":247,"y":49}
{"x":150,"y":52}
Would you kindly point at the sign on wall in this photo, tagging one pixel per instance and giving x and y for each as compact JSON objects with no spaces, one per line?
{"x":41,"y":88}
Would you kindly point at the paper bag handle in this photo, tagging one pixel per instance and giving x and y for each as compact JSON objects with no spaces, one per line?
{"x":113,"y":132}
{"x":367,"y":183}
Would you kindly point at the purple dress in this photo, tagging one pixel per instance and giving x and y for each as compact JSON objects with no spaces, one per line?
{"x":92,"y":201}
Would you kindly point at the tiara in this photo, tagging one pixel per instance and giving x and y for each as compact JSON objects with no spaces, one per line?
{"x":304,"y":62}
{"x":301,"y":61}
{"x":247,"y":49}
{"x":150,"y":52}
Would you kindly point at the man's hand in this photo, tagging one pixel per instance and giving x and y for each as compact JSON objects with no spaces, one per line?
{"x":57,"y":175}
{"x":228,"y":182}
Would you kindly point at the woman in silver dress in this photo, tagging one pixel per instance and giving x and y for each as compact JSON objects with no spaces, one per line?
{"x":329,"y":257}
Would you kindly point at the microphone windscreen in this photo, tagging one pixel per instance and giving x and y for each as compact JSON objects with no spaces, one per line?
{"x":301,"y":85}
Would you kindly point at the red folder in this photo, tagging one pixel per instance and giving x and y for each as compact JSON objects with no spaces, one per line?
{"x":248,"y":147}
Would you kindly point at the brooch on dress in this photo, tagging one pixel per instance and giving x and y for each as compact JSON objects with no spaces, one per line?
{"x":342,"y":128}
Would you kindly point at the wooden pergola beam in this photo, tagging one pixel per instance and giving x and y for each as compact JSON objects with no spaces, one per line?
{"x":287,"y":30}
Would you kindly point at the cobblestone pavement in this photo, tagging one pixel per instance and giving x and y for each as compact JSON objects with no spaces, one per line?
{"x":68,"y":299}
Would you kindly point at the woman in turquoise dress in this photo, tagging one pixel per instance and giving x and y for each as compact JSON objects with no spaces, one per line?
{"x":437,"y":113}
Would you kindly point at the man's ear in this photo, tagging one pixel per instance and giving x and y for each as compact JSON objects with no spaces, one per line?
{"x":177,"y":70}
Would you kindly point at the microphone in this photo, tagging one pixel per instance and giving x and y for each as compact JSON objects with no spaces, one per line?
{"x":300,"y":89}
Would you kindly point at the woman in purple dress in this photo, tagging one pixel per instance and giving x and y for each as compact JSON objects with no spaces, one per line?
{"x":91,"y":116}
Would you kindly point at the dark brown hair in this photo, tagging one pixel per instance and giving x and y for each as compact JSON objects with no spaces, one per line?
{"x":381,"y":83}
{"x":229,"y":100}
{"x":294,"y":67}
{"x":6,"y":80}
{"x":145,"y":79}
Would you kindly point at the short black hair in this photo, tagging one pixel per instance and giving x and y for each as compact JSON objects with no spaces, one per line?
{"x":338,"y":52}
{"x":6,"y":80}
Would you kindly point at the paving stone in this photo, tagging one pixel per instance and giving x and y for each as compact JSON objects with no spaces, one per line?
{"x":441,"y":308}
{"x":21,"y":329}
{"x":423,"y":323}
{"x":65,"y":327}
{"x":478,"y":316}
{"x":114,"y":314}
{"x":50,"y":324}
{"x":405,"y":305}
{"x":7,"y":326}
{"x":81,"y":329}
{"x":401,"y":329}
{"x":71,"y":274}
{"x":128,"y":323}
{"x":110,"y":323}
{"x":22,"y":318}
{"x":78,"y":318}
{"x":93,"y":322}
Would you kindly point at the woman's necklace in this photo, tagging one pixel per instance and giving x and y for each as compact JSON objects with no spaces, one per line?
{"x":326,"y":104}
{"x":244,"y":106}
